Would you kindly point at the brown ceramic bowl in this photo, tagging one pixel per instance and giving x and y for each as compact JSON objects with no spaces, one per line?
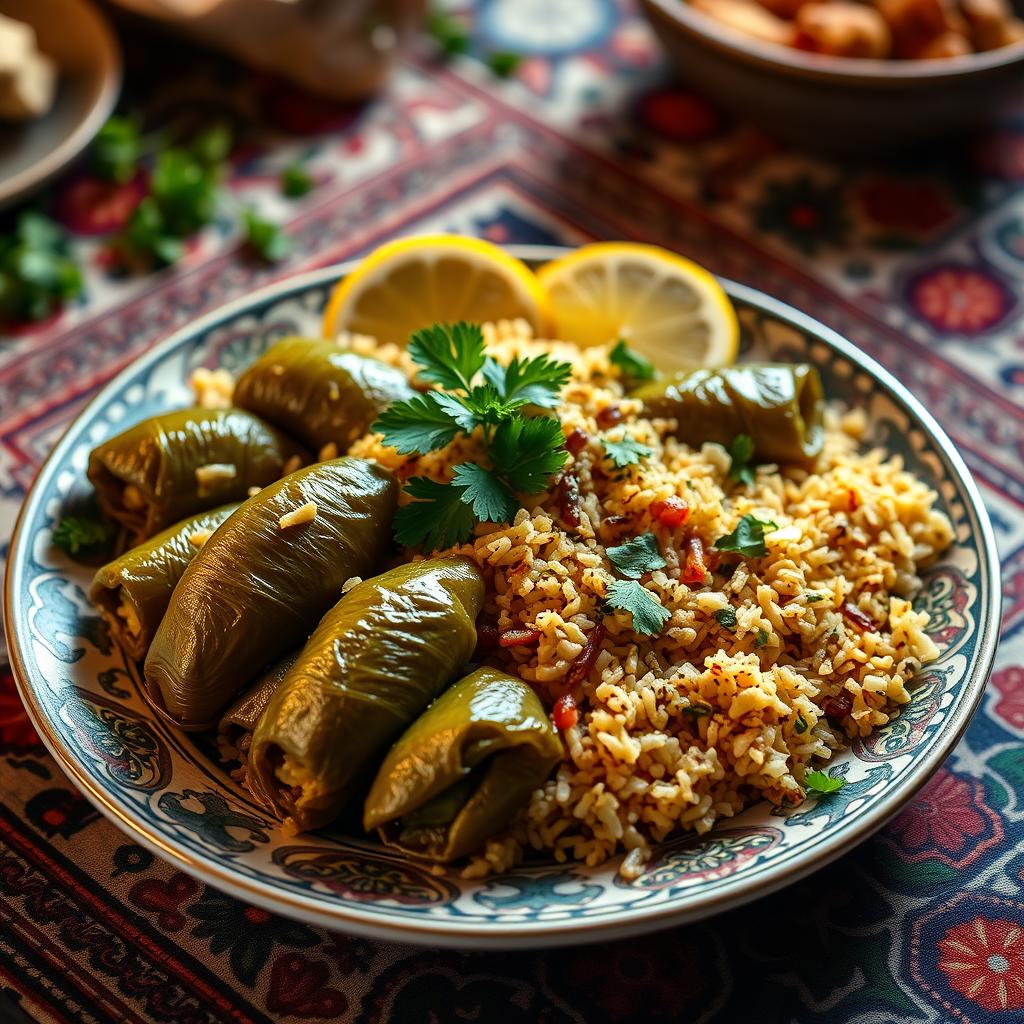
{"x":837,"y":104}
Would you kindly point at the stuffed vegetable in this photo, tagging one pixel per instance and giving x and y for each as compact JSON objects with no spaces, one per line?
{"x":377,"y":659}
{"x":318,"y":391}
{"x":460,"y":772}
{"x":779,"y":406}
{"x":262,"y":581}
{"x":179,"y":463}
{"x":133,"y":591}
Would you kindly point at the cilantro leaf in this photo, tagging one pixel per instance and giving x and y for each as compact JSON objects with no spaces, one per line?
{"x":147,"y":237}
{"x":649,"y":617}
{"x":450,"y":34}
{"x":800,"y":725}
{"x":820,"y":782}
{"x":626,"y":452}
{"x":212,"y":145}
{"x":536,"y":381}
{"x":79,"y":535}
{"x":186,"y":190}
{"x":450,"y":354}
{"x":37,"y":275}
{"x":761,"y":640}
{"x":748,"y":537}
{"x":741,"y":451}
{"x":812,"y":597}
{"x":491,"y":500}
{"x":438,"y":518}
{"x":636,"y":556}
{"x":726,"y":618}
{"x":482,"y":405}
{"x":265,"y":238}
{"x":503,"y":62}
{"x":698,"y":710}
{"x":116,"y":149}
{"x":419,"y":424}
{"x":634,"y":367}
{"x":528,"y":451}
{"x":296,"y":181}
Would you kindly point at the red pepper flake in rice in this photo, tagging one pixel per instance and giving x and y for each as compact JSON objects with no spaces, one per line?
{"x":569,"y":500}
{"x":838,"y":706}
{"x":856,"y":617}
{"x":576,"y":440}
{"x":609,"y":416}
{"x":584,"y":662}
{"x":564,"y":714}
{"x":695,"y":569}
{"x":671,"y":511}
{"x":519,"y":637}
{"x":852,"y":500}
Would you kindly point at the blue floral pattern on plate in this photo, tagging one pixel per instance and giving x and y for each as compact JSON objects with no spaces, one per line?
{"x":170,"y":792}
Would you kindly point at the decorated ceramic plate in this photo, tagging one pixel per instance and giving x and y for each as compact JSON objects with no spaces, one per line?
{"x":170,"y":791}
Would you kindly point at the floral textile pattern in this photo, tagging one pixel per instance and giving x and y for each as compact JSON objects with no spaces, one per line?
{"x":984,"y":960}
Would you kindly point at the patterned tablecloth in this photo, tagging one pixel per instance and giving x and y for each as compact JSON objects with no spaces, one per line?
{"x":921,"y":263}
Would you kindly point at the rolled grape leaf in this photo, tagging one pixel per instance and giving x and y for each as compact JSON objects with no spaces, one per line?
{"x":132,"y":592}
{"x":257,"y":588}
{"x":375,"y":662}
{"x":461,"y":771}
{"x":779,"y":405}
{"x":318,"y":392}
{"x":180,"y":463}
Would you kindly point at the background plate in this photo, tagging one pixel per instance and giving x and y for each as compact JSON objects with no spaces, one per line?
{"x":169,"y":792}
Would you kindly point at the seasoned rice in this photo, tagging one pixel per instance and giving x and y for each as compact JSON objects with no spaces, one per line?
{"x":693,"y":726}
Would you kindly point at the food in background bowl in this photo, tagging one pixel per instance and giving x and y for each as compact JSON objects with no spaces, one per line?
{"x":898,"y":29}
{"x":28,"y":78}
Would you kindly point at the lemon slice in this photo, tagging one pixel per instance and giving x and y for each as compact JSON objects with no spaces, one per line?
{"x":414,"y":282}
{"x":664,"y":306}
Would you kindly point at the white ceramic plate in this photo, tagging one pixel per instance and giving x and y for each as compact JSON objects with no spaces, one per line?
{"x":168,"y":790}
{"x":79,"y":39}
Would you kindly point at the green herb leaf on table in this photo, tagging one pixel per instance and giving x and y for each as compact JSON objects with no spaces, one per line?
{"x":212,"y":145}
{"x":503,"y":62}
{"x":438,"y":518}
{"x":748,"y":537}
{"x":116,"y":149}
{"x":449,"y":354}
{"x":79,"y":535}
{"x":490,"y":499}
{"x":450,"y":34}
{"x":822,"y":783}
{"x":37,"y":274}
{"x":265,"y":238}
{"x":726,"y":618}
{"x":186,"y":189}
{"x":637,"y":556}
{"x":741,"y":451}
{"x":635,"y":368}
{"x":528,"y":451}
{"x":146,"y":235}
{"x":537,"y":381}
{"x":419,"y":424}
{"x":296,"y":181}
{"x":649,"y":617}
{"x":626,"y":452}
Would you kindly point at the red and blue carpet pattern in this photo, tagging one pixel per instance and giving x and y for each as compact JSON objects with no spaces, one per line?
{"x":921,"y":263}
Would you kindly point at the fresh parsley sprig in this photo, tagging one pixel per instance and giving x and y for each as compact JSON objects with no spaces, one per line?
{"x":741,"y":452}
{"x":626,"y":452}
{"x":523,"y":452}
{"x":748,"y":537}
{"x":823,"y":783}
{"x":635,"y":368}
{"x":633,"y":559}
{"x":82,"y":535}
{"x":37,"y":272}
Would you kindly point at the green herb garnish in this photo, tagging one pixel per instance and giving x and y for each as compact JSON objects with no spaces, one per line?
{"x":212,"y":146}
{"x":296,"y":181}
{"x":265,"y":238}
{"x":698,"y":710}
{"x":812,"y":598}
{"x":80,"y":535}
{"x":800,"y":725}
{"x":503,"y":62}
{"x":741,"y":451}
{"x":637,"y":556}
{"x":626,"y":452}
{"x":450,"y":34}
{"x":37,"y":275}
{"x":116,"y":149}
{"x":748,"y":537}
{"x":649,"y":617}
{"x":820,"y":782}
{"x":522,"y":452}
{"x":635,"y":368}
{"x":761,"y":640}
{"x":726,"y":618}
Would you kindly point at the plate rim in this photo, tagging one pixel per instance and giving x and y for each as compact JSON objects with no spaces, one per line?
{"x":524,"y":934}
{"x":34,"y":177}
